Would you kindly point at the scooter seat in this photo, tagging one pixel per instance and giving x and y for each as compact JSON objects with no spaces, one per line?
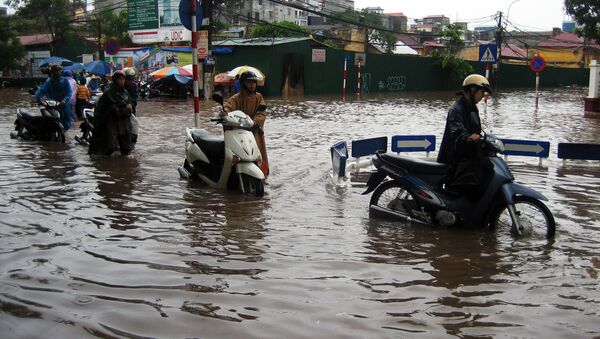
{"x":30,"y":114}
{"x":213,"y":145}
{"x":416,"y":165}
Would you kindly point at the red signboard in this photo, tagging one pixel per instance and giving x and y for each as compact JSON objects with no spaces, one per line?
{"x":537,"y":64}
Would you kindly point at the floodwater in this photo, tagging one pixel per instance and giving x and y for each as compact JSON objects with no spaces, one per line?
{"x":122,"y":247}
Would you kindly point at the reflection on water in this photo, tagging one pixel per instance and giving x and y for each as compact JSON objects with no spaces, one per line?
{"x":121,"y":247}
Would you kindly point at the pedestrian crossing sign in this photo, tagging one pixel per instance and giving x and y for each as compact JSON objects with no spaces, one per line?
{"x":488,"y":53}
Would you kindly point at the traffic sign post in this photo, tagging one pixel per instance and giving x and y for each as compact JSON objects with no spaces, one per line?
{"x":487,"y":56}
{"x":190,"y":14}
{"x":488,"y":53}
{"x":537,"y":64}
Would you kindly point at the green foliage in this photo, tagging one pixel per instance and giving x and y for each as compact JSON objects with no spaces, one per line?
{"x":10,"y":47}
{"x":447,"y":58}
{"x":586,"y":13}
{"x":113,"y":25}
{"x":281,"y":29}
{"x":45,"y":16}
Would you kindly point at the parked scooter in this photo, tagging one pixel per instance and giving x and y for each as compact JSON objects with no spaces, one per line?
{"x":415,"y":192}
{"x":86,"y":127}
{"x":225,"y":162}
{"x":87,"y":124}
{"x":40,"y":124}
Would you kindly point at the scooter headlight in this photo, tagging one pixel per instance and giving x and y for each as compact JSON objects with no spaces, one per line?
{"x":246,"y":122}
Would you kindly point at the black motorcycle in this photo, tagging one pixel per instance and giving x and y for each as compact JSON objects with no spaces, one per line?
{"x":415,"y":192}
{"x":42,"y":123}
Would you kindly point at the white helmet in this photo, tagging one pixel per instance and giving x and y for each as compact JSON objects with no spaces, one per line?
{"x":477,"y":80}
{"x":129,"y":71}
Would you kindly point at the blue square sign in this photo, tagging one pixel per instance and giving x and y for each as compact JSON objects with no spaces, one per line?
{"x":488,"y":53}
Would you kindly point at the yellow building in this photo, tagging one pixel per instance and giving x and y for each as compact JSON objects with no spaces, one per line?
{"x":568,"y":50}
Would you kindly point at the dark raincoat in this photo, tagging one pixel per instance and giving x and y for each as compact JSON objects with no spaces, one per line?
{"x":470,"y":171}
{"x":111,"y":121}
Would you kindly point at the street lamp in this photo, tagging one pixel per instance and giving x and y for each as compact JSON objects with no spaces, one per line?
{"x":508,"y":11}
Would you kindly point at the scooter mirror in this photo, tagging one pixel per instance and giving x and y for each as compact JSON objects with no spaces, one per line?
{"x":261,"y":108}
{"x":218,"y":97}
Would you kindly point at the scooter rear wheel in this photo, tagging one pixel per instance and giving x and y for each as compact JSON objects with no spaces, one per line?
{"x":392,"y":196}
{"x":535,"y":218}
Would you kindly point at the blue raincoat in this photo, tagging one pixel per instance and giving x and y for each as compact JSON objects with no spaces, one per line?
{"x":59,"y":90}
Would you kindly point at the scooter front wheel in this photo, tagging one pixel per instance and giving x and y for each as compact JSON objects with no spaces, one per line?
{"x":253,"y":185}
{"x":535,"y":218}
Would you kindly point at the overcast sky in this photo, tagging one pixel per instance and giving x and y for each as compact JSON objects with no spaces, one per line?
{"x":526,"y":14}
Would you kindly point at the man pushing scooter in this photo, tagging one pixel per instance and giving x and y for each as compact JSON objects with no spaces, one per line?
{"x":249,"y":101}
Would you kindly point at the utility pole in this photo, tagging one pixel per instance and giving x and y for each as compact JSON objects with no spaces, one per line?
{"x":99,"y":38}
{"x":499,"y":47}
{"x":499,"y":36}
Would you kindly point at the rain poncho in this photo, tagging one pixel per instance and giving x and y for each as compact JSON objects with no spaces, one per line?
{"x":111,"y":123}
{"x":58,"y":89}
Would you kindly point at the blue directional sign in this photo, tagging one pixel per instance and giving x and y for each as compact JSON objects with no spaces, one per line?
{"x":360,"y":148}
{"x":579,"y":151}
{"x":185,"y":14}
{"x":527,"y":148}
{"x":413,"y":143}
{"x":488,"y":53}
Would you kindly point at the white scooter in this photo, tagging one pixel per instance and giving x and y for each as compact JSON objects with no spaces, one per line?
{"x":225,"y":162}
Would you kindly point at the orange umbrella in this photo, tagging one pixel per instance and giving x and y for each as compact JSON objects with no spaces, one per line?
{"x":223,"y":79}
{"x":163,"y":72}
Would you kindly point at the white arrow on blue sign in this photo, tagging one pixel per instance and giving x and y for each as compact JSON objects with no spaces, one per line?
{"x":413,"y":143}
{"x":528,"y":148}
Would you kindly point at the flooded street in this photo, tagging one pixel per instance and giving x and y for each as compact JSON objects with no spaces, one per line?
{"x":122,"y":247}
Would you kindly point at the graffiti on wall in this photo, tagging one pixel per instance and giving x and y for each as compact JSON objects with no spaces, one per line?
{"x":394,"y":83}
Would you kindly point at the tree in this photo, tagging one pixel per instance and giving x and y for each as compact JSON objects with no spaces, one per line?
{"x":112,"y":25}
{"x":10,"y":47}
{"x":49,"y":16}
{"x":279,"y":29}
{"x":447,"y":59}
{"x":587,"y":14}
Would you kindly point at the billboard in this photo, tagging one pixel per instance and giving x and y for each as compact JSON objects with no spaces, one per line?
{"x":151,"y":21}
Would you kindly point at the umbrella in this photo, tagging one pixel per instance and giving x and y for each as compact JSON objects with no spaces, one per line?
{"x":78,"y":66}
{"x":163,"y":72}
{"x":223,"y":79}
{"x":47,"y":63}
{"x":241,"y":69}
{"x":98,"y":67}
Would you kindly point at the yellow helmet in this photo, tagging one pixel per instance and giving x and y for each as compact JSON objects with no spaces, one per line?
{"x":477,"y":80}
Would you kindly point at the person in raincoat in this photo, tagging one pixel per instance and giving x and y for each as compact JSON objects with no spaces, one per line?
{"x":111,"y":119}
{"x":248,"y":101}
{"x":132,"y":89}
{"x":67,"y":73}
{"x":57,"y":88}
{"x":460,"y":146}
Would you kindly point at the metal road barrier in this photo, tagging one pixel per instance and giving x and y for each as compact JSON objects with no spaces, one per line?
{"x":577,"y":151}
{"x":339,"y":155}
{"x":426,"y":143}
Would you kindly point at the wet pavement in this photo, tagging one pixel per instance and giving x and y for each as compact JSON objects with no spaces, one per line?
{"x":122,"y":247}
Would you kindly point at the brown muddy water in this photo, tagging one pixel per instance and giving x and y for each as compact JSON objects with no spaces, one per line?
{"x":122,"y":247}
